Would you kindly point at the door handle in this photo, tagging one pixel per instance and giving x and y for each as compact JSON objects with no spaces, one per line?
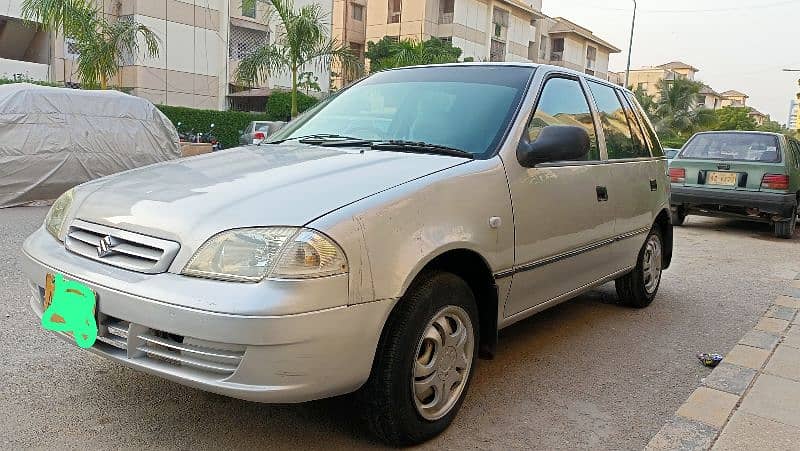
{"x":602,"y":194}
{"x":653,"y":185}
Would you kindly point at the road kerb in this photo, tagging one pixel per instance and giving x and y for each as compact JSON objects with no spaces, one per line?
{"x":708,"y":411}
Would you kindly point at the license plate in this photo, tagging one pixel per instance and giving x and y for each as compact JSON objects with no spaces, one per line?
{"x":722,"y":178}
{"x":70,"y":307}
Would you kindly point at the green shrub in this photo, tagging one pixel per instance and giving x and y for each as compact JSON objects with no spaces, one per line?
{"x":279,"y":105}
{"x":226,"y":123}
{"x":8,"y":81}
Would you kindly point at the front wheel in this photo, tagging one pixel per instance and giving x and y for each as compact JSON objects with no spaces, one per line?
{"x":639,"y":287}
{"x":424,"y":361}
{"x":785,"y":229}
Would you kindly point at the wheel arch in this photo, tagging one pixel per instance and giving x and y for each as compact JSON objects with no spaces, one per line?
{"x":665,"y":227}
{"x":473,"y":268}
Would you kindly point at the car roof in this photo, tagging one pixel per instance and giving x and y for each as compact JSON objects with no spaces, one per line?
{"x":739,"y":132}
{"x":517,"y":64}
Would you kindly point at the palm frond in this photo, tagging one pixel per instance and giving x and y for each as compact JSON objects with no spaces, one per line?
{"x":332,"y":50}
{"x":67,"y":16}
{"x":261,"y":63}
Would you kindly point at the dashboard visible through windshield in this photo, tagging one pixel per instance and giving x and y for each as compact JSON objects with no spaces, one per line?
{"x":462,"y":107}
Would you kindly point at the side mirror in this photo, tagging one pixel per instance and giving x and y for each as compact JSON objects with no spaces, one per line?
{"x":555,"y":143}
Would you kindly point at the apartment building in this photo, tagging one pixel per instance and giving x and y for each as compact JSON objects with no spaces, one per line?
{"x":649,"y":80}
{"x":575,"y":47}
{"x":793,"y":123}
{"x":485,"y":30}
{"x":202,"y":42}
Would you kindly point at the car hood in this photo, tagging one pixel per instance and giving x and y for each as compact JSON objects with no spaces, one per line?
{"x":287,"y":184}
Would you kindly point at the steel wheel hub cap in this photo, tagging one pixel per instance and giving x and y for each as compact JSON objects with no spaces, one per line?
{"x":652,"y":264}
{"x":443,"y":362}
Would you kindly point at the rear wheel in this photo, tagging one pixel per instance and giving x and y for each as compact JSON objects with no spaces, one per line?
{"x":639,"y":287}
{"x":424,"y":362}
{"x":785,"y":229}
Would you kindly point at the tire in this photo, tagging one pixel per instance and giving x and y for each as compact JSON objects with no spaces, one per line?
{"x":785,"y":229}
{"x":393,"y":410}
{"x":678,"y":218}
{"x":639,"y":287}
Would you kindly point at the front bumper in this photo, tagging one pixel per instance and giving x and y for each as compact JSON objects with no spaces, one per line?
{"x":772,"y":203}
{"x":265,"y":358}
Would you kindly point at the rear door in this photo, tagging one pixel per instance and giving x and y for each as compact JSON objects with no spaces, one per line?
{"x":730,"y":161}
{"x":638,"y":178}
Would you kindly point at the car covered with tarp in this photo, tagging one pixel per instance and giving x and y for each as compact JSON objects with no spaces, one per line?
{"x":52,"y":139}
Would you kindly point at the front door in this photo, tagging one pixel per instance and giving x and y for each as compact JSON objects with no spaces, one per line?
{"x":563,"y":221}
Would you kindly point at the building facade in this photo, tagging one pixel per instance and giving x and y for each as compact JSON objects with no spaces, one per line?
{"x":793,"y":123}
{"x":201,"y":44}
{"x":485,"y":30}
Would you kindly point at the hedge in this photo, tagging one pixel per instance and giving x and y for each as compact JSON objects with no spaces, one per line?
{"x":226,"y":123}
{"x":279,"y":105}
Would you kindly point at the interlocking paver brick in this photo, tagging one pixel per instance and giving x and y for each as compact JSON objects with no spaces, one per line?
{"x":747,"y":356}
{"x":683,"y":434}
{"x":773,"y":325}
{"x":709,"y":406}
{"x":785,"y":362}
{"x":760,"y":339}
{"x":746,"y":431}
{"x":775,"y":398}
{"x":730,"y":378}
{"x":781,"y":312}
{"x":787,"y":301}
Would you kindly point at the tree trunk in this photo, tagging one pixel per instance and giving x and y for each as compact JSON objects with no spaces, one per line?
{"x":294,"y":91}
{"x":103,"y":82}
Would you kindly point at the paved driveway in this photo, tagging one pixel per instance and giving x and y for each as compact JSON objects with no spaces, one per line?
{"x":586,"y":374}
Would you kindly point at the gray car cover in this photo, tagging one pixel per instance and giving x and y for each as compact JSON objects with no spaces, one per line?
{"x":52,"y":139}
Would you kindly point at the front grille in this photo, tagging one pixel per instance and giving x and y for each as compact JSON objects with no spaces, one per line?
{"x":137,"y":341}
{"x":121,"y":248}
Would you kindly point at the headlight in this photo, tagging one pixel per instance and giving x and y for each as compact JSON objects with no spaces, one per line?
{"x":250,"y":255}
{"x":54,"y":222}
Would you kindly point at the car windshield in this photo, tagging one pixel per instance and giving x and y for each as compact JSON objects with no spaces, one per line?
{"x":462,"y":107}
{"x":670,"y":153}
{"x":732,"y":146}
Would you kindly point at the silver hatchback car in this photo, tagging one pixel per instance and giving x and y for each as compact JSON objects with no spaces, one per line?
{"x":374,"y":245}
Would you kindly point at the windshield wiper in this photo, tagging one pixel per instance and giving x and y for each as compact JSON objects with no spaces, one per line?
{"x":318,"y":138}
{"x":421,"y":147}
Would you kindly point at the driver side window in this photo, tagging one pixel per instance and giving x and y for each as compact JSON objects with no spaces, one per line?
{"x":563,"y":102}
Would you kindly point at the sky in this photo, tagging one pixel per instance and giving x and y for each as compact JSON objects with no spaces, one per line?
{"x":736,"y":44}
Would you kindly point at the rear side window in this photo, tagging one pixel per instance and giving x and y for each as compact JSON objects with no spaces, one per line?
{"x":636,"y":130}
{"x":563,"y":102}
{"x":649,"y":133}
{"x":619,"y":138}
{"x":733,"y":147}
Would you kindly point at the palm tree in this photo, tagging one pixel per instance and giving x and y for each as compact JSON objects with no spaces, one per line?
{"x":102,"y":45}
{"x":302,"y":38}
{"x":677,"y":111}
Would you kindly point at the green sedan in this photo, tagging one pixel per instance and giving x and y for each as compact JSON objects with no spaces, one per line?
{"x":745,"y":175}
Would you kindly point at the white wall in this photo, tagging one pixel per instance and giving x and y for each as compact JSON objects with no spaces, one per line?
{"x":10,"y":68}
{"x":11,"y":8}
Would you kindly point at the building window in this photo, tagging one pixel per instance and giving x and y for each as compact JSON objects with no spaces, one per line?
{"x":245,"y":40}
{"x":643,"y":86}
{"x":498,"y":51}
{"x":446,"y":8}
{"x":591,"y":58}
{"x":392,"y":38}
{"x":557,"y":50}
{"x":71,"y":49}
{"x":358,"y":12}
{"x":249,"y":8}
{"x":543,"y":47}
{"x":394,"y":11}
{"x":500,"y":24}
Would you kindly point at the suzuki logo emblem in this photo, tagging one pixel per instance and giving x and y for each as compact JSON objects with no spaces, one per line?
{"x":106,"y":246}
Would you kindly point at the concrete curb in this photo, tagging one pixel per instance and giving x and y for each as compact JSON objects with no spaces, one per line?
{"x":698,"y":423}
